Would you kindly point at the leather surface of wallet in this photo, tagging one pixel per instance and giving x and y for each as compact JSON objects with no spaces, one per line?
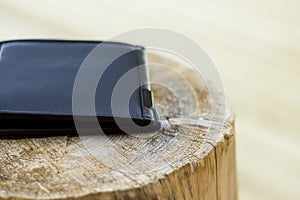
{"x":37,"y":79}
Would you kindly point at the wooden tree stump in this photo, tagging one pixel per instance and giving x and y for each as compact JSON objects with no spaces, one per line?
{"x":182,"y":161}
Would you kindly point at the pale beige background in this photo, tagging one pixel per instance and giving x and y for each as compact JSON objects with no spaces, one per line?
{"x":255,"y":44}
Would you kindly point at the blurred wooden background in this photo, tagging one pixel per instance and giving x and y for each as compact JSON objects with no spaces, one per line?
{"x":255,"y":45}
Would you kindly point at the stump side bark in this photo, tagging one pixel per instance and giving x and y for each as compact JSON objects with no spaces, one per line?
{"x":182,"y":161}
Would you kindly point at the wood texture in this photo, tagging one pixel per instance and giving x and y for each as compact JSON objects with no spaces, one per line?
{"x":182,"y":161}
{"x":255,"y":45}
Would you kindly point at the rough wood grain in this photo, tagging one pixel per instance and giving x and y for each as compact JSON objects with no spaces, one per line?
{"x":182,"y":161}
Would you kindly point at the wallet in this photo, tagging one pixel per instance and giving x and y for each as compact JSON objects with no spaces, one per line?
{"x":37,"y":79}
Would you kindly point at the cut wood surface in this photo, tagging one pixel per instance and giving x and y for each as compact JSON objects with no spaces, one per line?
{"x":182,"y":161}
{"x":255,"y":45}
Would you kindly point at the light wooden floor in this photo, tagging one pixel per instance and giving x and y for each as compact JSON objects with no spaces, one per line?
{"x":255,"y":44}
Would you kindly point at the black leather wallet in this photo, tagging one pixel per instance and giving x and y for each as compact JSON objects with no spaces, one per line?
{"x":36,"y":85}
